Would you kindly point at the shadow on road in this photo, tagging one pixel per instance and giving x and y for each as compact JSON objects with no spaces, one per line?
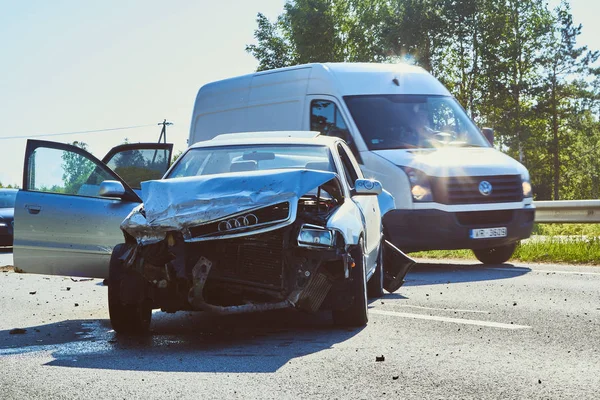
{"x":434,"y":273}
{"x":184,"y":342}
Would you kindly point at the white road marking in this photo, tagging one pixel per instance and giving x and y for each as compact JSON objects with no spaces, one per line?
{"x":444,"y":309}
{"x":453,"y":320}
{"x":544,"y":271}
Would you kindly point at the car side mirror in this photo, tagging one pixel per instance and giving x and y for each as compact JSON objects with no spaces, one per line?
{"x":367,"y":187}
{"x":489,"y":134}
{"x":111,"y":189}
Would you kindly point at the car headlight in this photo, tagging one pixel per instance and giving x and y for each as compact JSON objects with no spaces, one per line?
{"x":419,"y":185}
{"x":311,"y":235}
{"x":3,"y":224}
{"x":526,"y":184}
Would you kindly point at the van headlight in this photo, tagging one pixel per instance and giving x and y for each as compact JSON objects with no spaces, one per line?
{"x":315,"y":236}
{"x":526,"y":184}
{"x":419,"y":185}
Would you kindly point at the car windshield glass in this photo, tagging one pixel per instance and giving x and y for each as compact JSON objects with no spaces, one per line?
{"x":218,"y":160}
{"x":7,"y":198}
{"x":413,"y":121}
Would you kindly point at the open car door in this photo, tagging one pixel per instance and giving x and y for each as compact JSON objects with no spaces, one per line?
{"x":396,"y":265}
{"x":68,"y":213}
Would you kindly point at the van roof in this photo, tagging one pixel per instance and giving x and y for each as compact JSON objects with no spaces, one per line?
{"x":349,"y":79}
{"x":268,"y":137}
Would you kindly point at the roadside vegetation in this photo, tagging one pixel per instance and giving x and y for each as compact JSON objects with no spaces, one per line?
{"x":556,"y":243}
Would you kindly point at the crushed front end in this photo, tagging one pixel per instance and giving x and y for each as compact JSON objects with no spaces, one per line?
{"x":273,"y":251}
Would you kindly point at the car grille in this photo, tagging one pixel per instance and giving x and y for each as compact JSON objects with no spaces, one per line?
{"x":465,"y":189}
{"x":256,"y":219}
{"x":484,"y":217}
{"x":253,"y":259}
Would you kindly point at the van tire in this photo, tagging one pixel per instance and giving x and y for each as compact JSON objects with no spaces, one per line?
{"x":356,"y":314}
{"x":130,"y":319}
{"x":495,"y":255}
{"x":375,"y":284}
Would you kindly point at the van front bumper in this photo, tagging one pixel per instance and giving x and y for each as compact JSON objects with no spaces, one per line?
{"x":417,"y":230}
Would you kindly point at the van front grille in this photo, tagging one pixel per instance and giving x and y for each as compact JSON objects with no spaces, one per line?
{"x":465,"y":189}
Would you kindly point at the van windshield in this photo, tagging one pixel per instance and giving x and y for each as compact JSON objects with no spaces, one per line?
{"x":413,"y":121}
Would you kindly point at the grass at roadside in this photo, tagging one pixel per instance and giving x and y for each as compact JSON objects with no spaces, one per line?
{"x":584,"y":249}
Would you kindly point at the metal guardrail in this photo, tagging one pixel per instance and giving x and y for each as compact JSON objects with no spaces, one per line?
{"x":567,"y":211}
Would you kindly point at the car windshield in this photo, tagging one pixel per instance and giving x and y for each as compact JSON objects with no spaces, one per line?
{"x":7,"y":198}
{"x":413,"y":121}
{"x":218,"y":160}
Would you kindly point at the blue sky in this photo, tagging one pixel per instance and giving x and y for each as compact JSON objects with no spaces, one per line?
{"x":69,"y":65}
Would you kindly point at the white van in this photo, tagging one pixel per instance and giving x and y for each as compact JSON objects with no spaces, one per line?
{"x":453,"y":190}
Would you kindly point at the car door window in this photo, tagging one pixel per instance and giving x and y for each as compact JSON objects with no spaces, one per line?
{"x":136,"y":163}
{"x":65,"y":169}
{"x":349,"y":171}
{"x":65,"y":172}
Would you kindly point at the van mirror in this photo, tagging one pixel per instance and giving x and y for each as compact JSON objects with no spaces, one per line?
{"x":489,"y":134}
{"x":368,"y":187}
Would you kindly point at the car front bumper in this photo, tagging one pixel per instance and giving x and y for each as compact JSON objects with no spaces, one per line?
{"x":417,"y":230}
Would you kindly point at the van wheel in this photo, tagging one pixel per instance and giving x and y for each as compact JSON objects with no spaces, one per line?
{"x":355,"y":315}
{"x":131,"y":319}
{"x":495,"y":255}
{"x":375,"y":284}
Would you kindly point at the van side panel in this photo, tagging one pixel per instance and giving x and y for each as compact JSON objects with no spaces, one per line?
{"x":277,"y":100}
{"x":220,"y":108}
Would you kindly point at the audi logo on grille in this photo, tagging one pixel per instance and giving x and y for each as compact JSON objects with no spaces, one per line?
{"x":238,"y":222}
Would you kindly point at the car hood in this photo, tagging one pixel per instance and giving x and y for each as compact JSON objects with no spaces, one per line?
{"x":179,"y":203}
{"x":454,"y":161}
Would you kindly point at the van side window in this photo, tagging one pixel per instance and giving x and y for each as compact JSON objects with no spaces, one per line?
{"x":325,"y":117}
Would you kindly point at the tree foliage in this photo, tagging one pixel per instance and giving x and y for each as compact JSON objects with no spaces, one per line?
{"x":514,"y":65}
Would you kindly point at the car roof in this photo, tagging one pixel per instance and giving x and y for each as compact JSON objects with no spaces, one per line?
{"x":269,"y":137}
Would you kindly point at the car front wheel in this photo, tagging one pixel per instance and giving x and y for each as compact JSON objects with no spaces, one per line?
{"x":356,"y":313}
{"x":495,"y":255}
{"x":125,"y":318}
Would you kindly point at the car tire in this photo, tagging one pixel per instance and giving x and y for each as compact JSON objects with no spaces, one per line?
{"x":132,"y":319}
{"x":356,"y":315}
{"x":495,"y":255}
{"x":375,"y":284}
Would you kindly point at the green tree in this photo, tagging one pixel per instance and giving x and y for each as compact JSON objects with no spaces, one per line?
{"x":76,"y":169}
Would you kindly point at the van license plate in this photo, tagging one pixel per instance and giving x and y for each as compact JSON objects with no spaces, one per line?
{"x":488,"y":233}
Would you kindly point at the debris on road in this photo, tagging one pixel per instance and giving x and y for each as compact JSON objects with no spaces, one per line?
{"x":379,"y":359}
{"x":32,"y":292}
{"x":395,"y":377}
{"x":17,"y":331}
{"x":82,"y":279}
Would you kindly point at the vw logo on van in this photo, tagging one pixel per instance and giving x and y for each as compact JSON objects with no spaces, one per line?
{"x":485,"y":188}
{"x":238,"y":222}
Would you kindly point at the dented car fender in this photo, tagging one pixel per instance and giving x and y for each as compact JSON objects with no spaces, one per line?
{"x":347,"y":220}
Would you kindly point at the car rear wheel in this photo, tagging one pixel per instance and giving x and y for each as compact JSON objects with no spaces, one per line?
{"x":125,"y":318}
{"x":356,"y":314}
{"x":495,"y":255}
{"x":375,"y":284}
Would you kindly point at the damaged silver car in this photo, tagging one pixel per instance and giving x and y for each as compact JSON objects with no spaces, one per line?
{"x":253,"y":222}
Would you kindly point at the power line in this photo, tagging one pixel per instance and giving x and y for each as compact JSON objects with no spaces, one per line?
{"x":75,"y":133}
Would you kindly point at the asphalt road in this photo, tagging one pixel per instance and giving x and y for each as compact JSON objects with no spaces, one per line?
{"x":453,"y":331}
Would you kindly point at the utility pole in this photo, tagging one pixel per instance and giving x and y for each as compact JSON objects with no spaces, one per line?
{"x":163,"y":131}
